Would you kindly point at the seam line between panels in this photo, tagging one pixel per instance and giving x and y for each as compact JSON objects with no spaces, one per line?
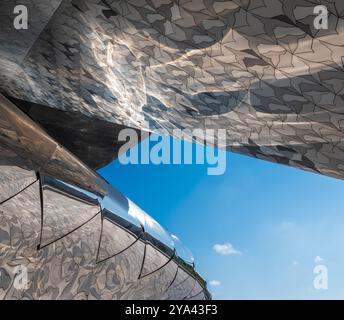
{"x":70,"y":232}
{"x":101,"y":233}
{"x":19,"y":192}
{"x":148,"y":274}
{"x":144,"y":258}
{"x":174,"y":278}
{"x":195,"y":295}
{"x":114,"y":255}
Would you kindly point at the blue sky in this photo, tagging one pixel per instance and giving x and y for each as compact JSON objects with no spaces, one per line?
{"x":276,"y":218}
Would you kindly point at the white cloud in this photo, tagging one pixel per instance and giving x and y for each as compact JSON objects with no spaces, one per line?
{"x":296,"y":263}
{"x":225,"y":249}
{"x":318,"y":259}
{"x":215,"y":283}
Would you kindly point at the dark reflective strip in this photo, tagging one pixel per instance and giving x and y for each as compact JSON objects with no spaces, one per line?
{"x":65,"y":189}
{"x":160,"y":245}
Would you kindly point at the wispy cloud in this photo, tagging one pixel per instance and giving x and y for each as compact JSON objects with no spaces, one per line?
{"x":215,"y":283}
{"x":225,"y":249}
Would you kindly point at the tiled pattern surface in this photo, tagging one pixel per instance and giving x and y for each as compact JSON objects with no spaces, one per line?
{"x":78,"y":261}
{"x":256,"y":68}
{"x":65,"y":233}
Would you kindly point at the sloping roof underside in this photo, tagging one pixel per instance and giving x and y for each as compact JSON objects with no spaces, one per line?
{"x":258,"y":69}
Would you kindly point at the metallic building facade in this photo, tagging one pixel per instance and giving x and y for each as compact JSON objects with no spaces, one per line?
{"x":75,"y":235}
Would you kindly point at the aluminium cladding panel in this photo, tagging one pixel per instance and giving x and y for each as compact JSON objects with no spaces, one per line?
{"x":176,"y":291}
{"x":114,"y":239}
{"x":16,"y":44}
{"x":182,"y":285}
{"x":159,"y":248}
{"x":65,"y":208}
{"x":16,"y":174}
{"x":187,"y":287}
{"x":65,"y":268}
{"x":154,"y":260}
{"x":116,"y":277}
{"x":120,"y":228}
{"x":61,"y":270}
{"x":154,"y":285}
{"x":195,"y":292}
{"x":20,"y":226}
{"x":200,"y":296}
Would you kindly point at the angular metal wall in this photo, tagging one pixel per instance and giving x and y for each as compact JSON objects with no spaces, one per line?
{"x":74,"y":234}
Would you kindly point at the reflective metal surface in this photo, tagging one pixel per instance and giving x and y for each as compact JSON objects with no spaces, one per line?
{"x":74,"y":235}
{"x":183,"y":252}
{"x":260,"y":69}
{"x":14,"y":174}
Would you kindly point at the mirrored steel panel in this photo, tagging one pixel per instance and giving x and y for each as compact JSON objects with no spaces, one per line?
{"x":183,"y":252}
{"x":117,"y":208}
{"x":158,"y":236}
{"x":159,"y":245}
{"x":117,"y":277}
